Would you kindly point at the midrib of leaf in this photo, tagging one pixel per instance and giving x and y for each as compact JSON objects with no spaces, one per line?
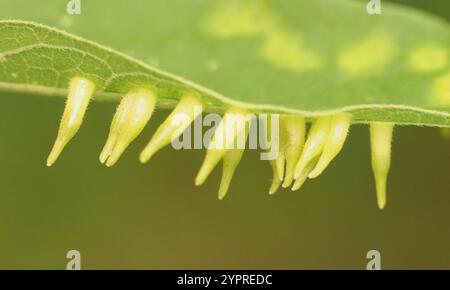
{"x":136,"y":68}
{"x":124,"y":73}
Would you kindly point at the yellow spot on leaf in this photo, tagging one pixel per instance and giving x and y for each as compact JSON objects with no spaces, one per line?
{"x":66,"y":21}
{"x":428,"y":58}
{"x":371,"y":55}
{"x":286,"y":51}
{"x":281,"y":47}
{"x":440,"y":95}
{"x":239,"y":18}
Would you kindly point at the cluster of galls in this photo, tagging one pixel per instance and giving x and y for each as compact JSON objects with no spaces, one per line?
{"x":299,"y":156}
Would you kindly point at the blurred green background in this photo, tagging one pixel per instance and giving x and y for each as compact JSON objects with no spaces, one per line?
{"x":153,"y":217}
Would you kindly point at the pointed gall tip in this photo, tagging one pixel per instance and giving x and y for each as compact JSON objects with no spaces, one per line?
{"x":207,"y":167}
{"x":322,"y":164}
{"x":289,"y":178}
{"x":144,"y":159}
{"x":337,"y":134}
{"x":51,"y":160}
{"x":222,"y":192}
{"x":315,"y":174}
{"x":276,"y":181}
{"x":381,"y":184}
{"x":274,"y":186}
{"x":304,"y":174}
{"x":199,"y":179}
{"x":179,"y":119}
{"x":298,"y":184}
{"x":381,"y":204}
{"x":106,"y":151}
{"x":116,"y":152}
{"x":210,"y":162}
{"x":102,"y":159}
{"x":110,"y":163}
{"x":56,"y":151}
{"x":147,"y":153}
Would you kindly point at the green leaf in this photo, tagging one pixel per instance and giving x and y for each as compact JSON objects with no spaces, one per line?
{"x":310,"y":58}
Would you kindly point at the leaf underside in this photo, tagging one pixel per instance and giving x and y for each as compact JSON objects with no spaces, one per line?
{"x":309,"y":58}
